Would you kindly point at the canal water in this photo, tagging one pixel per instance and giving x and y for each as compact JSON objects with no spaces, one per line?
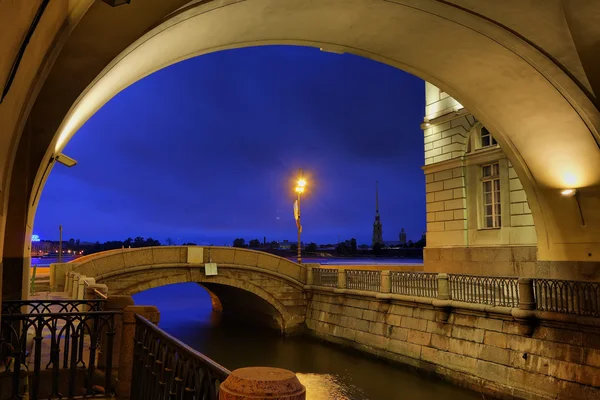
{"x":329,"y":372}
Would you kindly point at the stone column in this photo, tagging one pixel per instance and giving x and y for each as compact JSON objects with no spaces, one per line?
{"x":151,"y":313}
{"x":386,"y":282}
{"x":114,"y":303}
{"x":526,"y":296}
{"x":443,"y":286}
{"x":341,"y":284}
{"x":262,"y":383}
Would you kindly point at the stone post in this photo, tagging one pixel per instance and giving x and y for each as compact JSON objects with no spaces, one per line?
{"x":443,"y":286}
{"x":262,"y":383}
{"x":58,"y":275}
{"x":114,"y":303}
{"x":386,"y":282}
{"x":81,"y":287}
{"x":309,"y":275}
{"x":151,"y":313}
{"x":68,"y":281}
{"x":75,"y":286}
{"x":526,"y":296}
{"x":341,"y":284}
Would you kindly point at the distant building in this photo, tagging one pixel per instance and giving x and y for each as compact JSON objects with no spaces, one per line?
{"x":377,"y":228}
{"x":402,"y":237}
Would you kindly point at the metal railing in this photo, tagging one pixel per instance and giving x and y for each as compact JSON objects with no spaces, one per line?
{"x":50,"y":306}
{"x":492,"y":290}
{"x":363,"y":280}
{"x":420,"y":284}
{"x":165,"y":368}
{"x":325,"y":277}
{"x":60,"y":361}
{"x":567,"y":297}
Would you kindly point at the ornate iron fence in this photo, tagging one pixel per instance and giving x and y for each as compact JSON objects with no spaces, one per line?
{"x":165,"y":368}
{"x":567,"y":297}
{"x":63,"y":351}
{"x":421,"y":284}
{"x":493,"y":290}
{"x":363,"y":280}
{"x":50,"y":306}
{"x":325,"y":277}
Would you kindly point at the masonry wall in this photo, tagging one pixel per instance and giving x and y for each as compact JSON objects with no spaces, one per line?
{"x":453,"y":159}
{"x":487,"y":353}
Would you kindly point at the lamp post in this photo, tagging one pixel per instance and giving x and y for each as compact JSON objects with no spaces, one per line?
{"x":300,"y":185}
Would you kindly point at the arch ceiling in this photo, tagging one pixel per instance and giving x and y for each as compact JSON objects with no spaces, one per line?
{"x":539,"y":107}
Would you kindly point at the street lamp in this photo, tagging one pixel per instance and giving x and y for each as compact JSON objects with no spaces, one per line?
{"x":300,"y":186}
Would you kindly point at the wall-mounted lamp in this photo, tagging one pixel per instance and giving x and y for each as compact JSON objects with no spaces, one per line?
{"x":574,"y":193}
{"x":65,"y":160}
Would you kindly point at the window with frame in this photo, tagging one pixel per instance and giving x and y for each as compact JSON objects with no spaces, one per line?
{"x":490,"y":181}
{"x":487,"y":139}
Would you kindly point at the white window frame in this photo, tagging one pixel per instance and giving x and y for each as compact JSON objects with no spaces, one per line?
{"x":484,"y":132}
{"x":496,"y":196}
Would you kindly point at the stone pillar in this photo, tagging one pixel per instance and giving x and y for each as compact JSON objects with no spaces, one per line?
{"x":15,"y":277}
{"x":443,"y":286}
{"x":151,"y":313}
{"x":526,"y":296}
{"x":341,"y":279}
{"x":386,"y":282}
{"x":114,"y":303}
{"x":68,"y":278}
{"x":262,"y":383}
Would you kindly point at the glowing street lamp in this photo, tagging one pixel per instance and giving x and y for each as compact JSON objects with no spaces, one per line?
{"x":300,"y":186}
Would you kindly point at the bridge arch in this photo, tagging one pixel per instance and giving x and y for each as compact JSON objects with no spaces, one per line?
{"x":276,"y":285}
{"x":524,"y":80}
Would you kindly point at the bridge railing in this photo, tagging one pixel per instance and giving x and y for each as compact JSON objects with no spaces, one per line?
{"x":363,"y":280}
{"x":165,"y":367}
{"x":567,"y":297}
{"x":53,"y":355}
{"x":325,"y":277}
{"x":560,"y":296}
{"x":492,"y":290}
{"x":421,"y":284}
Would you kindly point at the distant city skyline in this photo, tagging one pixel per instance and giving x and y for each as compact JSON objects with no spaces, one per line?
{"x":205,"y":151}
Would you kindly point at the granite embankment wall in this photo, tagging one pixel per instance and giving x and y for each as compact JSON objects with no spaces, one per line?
{"x":472,"y":346}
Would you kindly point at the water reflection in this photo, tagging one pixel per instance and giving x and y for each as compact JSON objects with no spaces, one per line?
{"x":328,"y":372}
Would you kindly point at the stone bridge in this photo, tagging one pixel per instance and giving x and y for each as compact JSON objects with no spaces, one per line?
{"x":251,"y":283}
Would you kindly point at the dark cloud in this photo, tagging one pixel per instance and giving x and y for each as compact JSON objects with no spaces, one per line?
{"x":204,"y":150}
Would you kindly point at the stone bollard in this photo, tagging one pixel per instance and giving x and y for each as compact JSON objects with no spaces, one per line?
{"x":443,"y":286}
{"x":114,"y":303}
{"x":151,"y":313}
{"x":262,"y":383}
{"x":526,"y":295}
{"x":386,"y":282}
{"x":341,"y":284}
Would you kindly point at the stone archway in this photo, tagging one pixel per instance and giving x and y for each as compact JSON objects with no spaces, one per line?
{"x":525,"y":90}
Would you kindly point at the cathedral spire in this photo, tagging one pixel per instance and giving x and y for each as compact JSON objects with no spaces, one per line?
{"x":377,"y":228}
{"x":376,"y":197}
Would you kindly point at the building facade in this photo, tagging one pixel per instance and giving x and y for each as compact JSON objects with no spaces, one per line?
{"x":478,"y":217}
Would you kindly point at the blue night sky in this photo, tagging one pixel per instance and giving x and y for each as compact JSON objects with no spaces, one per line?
{"x":206,"y":151}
